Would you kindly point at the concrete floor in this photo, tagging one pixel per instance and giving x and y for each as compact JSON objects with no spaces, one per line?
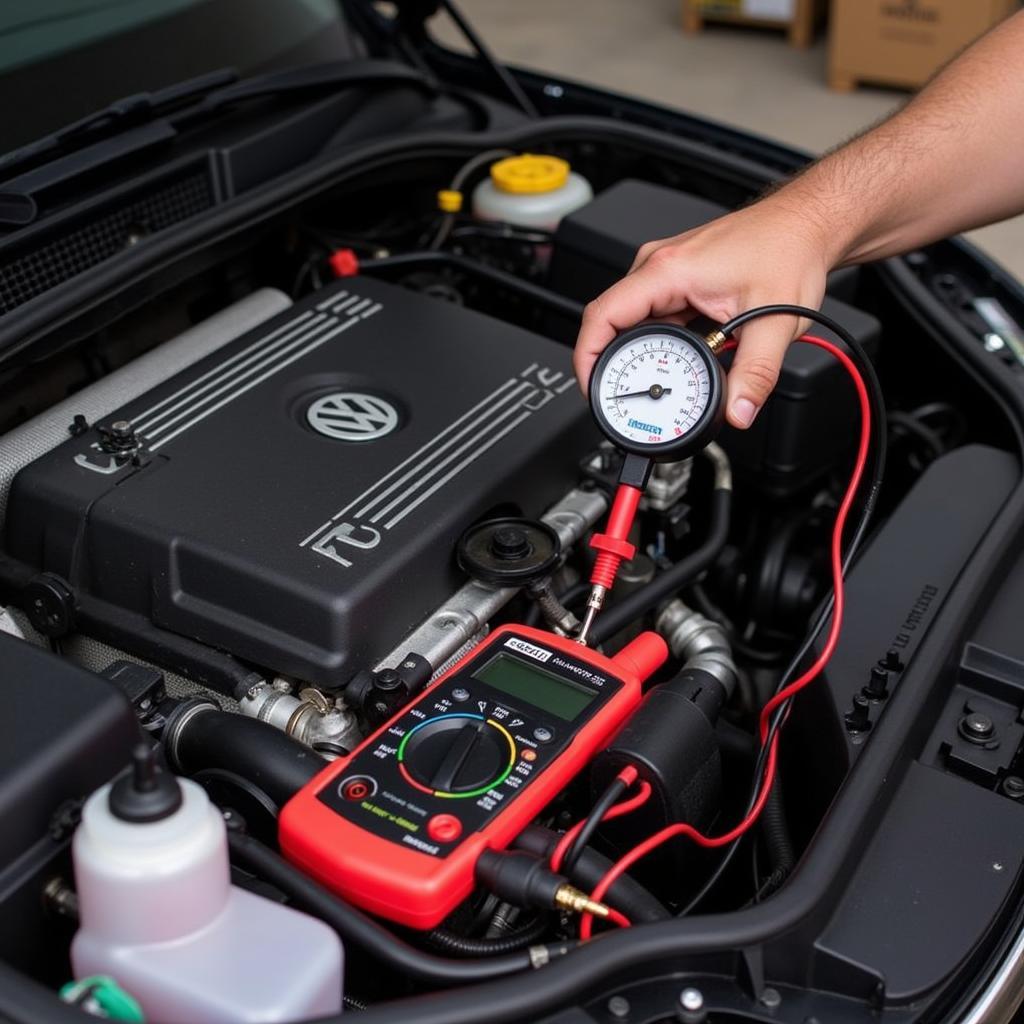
{"x":748,"y":78}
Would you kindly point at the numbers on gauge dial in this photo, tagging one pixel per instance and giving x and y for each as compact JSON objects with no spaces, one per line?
{"x":655,"y":389}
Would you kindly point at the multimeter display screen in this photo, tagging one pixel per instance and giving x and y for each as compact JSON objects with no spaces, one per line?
{"x":542,"y":689}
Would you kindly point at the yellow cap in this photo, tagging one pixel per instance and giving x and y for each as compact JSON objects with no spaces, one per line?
{"x":449,"y":200}
{"x":530,"y":172}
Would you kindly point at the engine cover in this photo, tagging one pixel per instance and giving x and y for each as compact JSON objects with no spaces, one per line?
{"x":296,"y":496}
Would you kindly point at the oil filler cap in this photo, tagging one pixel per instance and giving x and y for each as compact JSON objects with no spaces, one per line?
{"x":509,"y":552}
{"x":145,"y":793}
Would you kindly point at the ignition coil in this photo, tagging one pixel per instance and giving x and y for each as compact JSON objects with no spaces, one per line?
{"x":670,"y":740}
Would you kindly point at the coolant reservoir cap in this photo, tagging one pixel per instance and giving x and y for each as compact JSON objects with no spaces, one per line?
{"x":145,"y":793}
{"x":530,"y":173}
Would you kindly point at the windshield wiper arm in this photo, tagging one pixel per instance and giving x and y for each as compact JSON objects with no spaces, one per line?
{"x":145,"y":121}
{"x":128,"y":110}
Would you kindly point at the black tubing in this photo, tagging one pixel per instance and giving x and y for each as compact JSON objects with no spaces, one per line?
{"x":461,"y":945}
{"x":354,"y":926}
{"x":543,"y":296}
{"x":635,"y":605}
{"x":776,"y":832}
{"x":626,"y":894}
{"x":208,"y":738}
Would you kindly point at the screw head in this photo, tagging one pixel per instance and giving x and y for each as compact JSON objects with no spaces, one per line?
{"x":977,"y":727}
{"x":388,"y":679}
{"x":618,"y":1006}
{"x":1013,"y":786}
{"x":691,"y":999}
{"x":770,"y":998}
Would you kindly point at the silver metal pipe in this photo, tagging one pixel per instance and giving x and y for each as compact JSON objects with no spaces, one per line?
{"x":470,"y":608}
{"x":697,"y":641}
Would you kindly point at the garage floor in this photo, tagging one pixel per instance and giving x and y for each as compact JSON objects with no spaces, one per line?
{"x":748,"y":78}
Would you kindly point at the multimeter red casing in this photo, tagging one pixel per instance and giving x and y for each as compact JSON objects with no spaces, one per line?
{"x":369,"y":829}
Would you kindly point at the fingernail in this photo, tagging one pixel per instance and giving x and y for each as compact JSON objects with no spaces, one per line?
{"x":743,"y":412}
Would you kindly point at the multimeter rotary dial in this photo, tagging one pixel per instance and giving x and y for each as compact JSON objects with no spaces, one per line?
{"x":456,"y":755}
{"x":658,"y":391}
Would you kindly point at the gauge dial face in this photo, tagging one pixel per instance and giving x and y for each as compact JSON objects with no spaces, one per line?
{"x":654,"y":389}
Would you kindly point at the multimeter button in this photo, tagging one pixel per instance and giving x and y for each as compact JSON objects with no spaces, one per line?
{"x":359,"y":787}
{"x":456,"y":754}
{"x":444,"y":828}
{"x":543,"y":735}
{"x":460,"y":693}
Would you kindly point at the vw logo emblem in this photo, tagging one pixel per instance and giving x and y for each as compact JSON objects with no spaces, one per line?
{"x":352,"y":416}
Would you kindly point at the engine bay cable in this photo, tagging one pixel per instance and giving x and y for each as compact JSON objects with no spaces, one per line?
{"x":567,"y":853}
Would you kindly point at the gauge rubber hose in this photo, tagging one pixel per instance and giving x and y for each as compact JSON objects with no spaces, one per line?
{"x":354,"y":926}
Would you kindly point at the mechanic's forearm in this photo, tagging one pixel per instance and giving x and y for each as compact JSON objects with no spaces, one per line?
{"x":950,"y":160}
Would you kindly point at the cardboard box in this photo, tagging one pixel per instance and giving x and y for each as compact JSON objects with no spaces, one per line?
{"x":798,"y":17}
{"x":904,"y":42}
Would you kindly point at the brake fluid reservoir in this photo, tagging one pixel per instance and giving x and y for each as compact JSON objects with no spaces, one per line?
{"x":531,"y":191}
{"x":158,"y":913}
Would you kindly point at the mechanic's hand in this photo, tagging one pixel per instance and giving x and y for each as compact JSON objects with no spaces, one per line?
{"x":762,"y":254}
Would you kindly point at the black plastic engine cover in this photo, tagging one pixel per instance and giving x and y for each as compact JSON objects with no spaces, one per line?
{"x":311,"y":553}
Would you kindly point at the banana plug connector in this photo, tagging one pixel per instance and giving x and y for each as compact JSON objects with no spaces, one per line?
{"x":524,"y":880}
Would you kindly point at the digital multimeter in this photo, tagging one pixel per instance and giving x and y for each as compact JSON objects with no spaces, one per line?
{"x":397,"y":826}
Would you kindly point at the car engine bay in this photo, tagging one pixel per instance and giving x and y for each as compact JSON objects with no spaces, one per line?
{"x":300,"y":519}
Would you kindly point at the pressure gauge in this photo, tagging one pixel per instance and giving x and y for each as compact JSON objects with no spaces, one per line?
{"x":658,"y":391}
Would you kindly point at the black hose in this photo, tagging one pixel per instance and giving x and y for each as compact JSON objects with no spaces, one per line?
{"x":635,"y":605}
{"x":354,"y":926}
{"x":543,"y":296}
{"x":461,"y":945}
{"x":625,"y":894}
{"x":199,"y":737}
{"x":776,"y":832}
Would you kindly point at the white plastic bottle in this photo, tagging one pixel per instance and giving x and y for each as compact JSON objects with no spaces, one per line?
{"x":159,"y":914}
{"x":531,"y":191}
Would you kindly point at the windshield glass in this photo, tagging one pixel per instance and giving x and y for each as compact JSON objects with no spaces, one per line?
{"x":63,"y":59}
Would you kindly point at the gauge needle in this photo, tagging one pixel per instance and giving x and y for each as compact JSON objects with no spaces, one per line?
{"x":654,"y":391}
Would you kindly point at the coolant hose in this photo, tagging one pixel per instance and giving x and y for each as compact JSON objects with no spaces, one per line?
{"x":200,"y":736}
{"x":634,"y":606}
{"x":589,"y":868}
{"x":354,"y":926}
